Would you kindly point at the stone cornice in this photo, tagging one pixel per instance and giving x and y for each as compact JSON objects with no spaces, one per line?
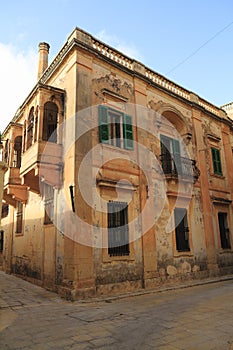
{"x":85,"y":41}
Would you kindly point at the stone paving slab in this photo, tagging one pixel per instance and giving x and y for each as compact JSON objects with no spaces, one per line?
{"x":187,"y":318}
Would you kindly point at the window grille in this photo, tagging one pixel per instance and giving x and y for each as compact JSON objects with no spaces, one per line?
{"x":118,"y":232}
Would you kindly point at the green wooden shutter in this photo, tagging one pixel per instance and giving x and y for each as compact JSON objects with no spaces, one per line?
{"x":219,"y":166}
{"x":216,"y":161}
{"x":128,"y":131}
{"x":176,"y":156}
{"x":103,"y":124}
{"x":166,"y":158}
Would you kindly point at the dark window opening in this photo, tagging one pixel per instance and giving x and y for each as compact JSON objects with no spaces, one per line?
{"x":1,"y":241}
{"x":182,"y":230}
{"x":36,"y":124}
{"x":17,"y":152}
{"x":36,"y":128}
{"x":5,"y":210}
{"x":118,"y":232}
{"x":19,"y":217}
{"x":50,"y":121}
{"x":24,"y":136}
{"x":224,"y":231}
{"x":30,"y":128}
{"x":6,"y":151}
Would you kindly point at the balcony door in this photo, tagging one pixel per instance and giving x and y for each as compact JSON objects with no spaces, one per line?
{"x":170,"y":155}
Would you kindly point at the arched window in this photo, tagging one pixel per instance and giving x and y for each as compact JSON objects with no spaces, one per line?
{"x":30,"y":127}
{"x":17,"y":152}
{"x":36,"y":124}
{"x":50,"y":122}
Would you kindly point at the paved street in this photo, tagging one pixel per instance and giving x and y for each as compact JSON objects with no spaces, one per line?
{"x":198,"y":317}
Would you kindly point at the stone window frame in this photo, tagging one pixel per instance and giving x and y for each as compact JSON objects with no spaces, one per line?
{"x":118,"y":226}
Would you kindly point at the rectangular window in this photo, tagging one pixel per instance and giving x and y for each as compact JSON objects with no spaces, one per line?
{"x":182,"y":230}
{"x":216,"y":161}
{"x":115,"y":128}
{"x":5,"y":210}
{"x":118,"y":232}
{"x":48,"y":204}
{"x":224,"y":231}
{"x":19,"y":217}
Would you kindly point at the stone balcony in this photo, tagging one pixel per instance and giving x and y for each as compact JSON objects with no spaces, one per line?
{"x":177,"y":166}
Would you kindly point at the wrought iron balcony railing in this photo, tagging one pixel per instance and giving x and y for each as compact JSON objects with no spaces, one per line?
{"x":175,"y":166}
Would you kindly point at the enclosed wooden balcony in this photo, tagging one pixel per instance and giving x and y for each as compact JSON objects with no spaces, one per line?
{"x":14,"y":190}
{"x":42,"y":161}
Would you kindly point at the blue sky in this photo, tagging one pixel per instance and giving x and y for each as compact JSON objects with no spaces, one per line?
{"x":160,"y":33}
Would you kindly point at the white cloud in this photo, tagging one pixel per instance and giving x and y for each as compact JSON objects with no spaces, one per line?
{"x":126,"y":48}
{"x":18,"y":71}
{"x":18,"y":76}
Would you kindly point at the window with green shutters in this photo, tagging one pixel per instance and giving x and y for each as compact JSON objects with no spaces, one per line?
{"x":115,"y":128}
{"x":216,"y":161}
{"x":103,"y":124}
{"x":128,"y":131}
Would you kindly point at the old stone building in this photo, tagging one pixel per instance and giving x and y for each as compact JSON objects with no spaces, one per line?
{"x":117,"y":178}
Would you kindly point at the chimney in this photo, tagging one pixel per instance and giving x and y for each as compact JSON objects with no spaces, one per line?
{"x":43,"y":59}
